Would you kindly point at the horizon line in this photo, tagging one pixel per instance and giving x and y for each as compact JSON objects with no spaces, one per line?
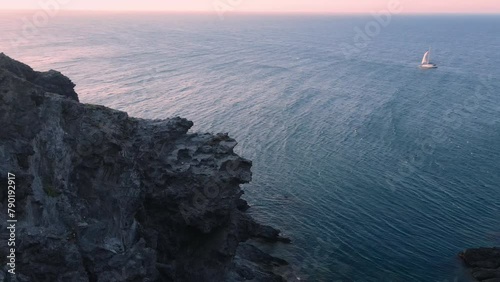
{"x":250,"y":12}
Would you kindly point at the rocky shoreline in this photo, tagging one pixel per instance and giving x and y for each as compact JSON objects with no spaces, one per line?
{"x":102,"y":196}
{"x":483,"y":262}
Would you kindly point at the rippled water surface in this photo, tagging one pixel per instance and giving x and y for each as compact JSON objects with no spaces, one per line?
{"x":377,"y":170}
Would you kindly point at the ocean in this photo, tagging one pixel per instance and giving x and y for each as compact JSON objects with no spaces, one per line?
{"x":377,"y":170}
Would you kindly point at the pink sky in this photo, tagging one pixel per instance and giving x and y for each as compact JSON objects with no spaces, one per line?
{"x":307,"y":6}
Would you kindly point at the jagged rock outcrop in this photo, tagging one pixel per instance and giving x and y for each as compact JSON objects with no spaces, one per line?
{"x":483,"y":262}
{"x":50,"y":81}
{"x":102,"y":196}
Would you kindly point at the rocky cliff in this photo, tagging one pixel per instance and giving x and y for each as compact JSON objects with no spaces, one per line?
{"x":101,"y":196}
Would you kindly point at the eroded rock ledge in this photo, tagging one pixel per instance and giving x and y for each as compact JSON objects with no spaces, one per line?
{"x":102,"y":196}
{"x":483,"y":262}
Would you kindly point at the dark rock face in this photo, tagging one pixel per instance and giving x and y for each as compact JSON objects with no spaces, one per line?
{"x":50,"y":81}
{"x":484,"y":263}
{"x":103,"y":197}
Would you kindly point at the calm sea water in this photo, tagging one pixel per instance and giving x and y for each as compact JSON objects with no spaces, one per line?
{"x":379,"y":171}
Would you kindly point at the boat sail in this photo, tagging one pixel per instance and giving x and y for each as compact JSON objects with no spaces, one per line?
{"x":426,"y":61}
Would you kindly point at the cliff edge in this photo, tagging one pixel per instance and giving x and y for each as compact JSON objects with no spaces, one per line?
{"x":101,"y":196}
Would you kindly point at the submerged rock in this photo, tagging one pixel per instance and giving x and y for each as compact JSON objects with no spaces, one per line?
{"x":101,"y":196}
{"x":483,"y":262}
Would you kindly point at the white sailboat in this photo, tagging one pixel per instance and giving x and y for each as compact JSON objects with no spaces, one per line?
{"x":426,"y":61}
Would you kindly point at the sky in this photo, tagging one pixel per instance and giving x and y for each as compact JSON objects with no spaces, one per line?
{"x":283,"y":6}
